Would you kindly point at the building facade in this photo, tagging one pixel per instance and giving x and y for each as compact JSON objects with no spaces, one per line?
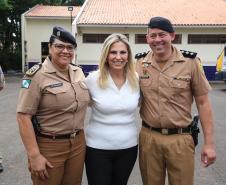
{"x":37,"y":27}
{"x":200,"y":27}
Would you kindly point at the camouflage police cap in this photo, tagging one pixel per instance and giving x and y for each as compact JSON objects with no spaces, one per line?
{"x":161,"y":23}
{"x":63,"y":35}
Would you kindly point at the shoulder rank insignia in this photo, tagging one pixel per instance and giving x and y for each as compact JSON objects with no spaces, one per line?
{"x":140,"y":55}
{"x":188,"y":54}
{"x":34,"y":69}
{"x":75,"y":65}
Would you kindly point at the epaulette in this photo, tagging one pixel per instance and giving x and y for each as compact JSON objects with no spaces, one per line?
{"x":74,"y":64}
{"x":188,"y":54}
{"x":140,"y":55}
{"x":33,"y":69}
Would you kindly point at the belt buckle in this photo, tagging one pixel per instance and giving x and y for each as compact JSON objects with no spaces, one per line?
{"x":164,"y":131}
{"x":73,"y":135}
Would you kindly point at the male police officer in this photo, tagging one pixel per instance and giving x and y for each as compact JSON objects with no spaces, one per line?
{"x":169,"y":81}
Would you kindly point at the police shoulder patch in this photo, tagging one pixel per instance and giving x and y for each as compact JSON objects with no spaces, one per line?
{"x":34,"y":69}
{"x":26,"y":83}
{"x":188,"y":54}
{"x":140,"y":55}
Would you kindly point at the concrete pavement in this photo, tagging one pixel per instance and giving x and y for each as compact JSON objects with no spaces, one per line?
{"x":16,"y":173}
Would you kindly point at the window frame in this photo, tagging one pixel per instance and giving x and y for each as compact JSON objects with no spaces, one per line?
{"x":206,"y":39}
{"x":142,"y":39}
{"x":97,"y":38}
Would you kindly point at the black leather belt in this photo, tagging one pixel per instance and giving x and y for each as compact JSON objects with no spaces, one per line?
{"x":168,"y":131}
{"x":64,"y":136}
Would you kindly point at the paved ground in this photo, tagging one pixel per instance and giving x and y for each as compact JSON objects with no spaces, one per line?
{"x":11,"y":147}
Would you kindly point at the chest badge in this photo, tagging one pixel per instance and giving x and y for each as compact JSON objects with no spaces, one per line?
{"x":145,"y":70}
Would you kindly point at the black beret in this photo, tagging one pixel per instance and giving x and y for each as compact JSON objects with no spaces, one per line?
{"x":64,"y":35}
{"x":161,"y":23}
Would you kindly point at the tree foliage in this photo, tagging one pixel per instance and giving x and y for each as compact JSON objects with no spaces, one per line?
{"x":10,"y":28}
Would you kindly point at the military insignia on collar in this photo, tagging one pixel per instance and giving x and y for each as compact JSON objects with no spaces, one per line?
{"x":26,"y":83}
{"x":34,"y":69}
{"x":58,"y":33}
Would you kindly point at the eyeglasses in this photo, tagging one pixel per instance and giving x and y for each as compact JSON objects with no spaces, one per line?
{"x":61,"y":47}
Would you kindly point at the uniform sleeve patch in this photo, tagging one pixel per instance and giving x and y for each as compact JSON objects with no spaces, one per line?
{"x":26,"y":83}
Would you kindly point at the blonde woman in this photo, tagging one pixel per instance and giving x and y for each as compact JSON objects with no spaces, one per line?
{"x":111,"y":135}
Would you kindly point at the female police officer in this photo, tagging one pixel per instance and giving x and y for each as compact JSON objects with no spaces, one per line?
{"x":55,"y":94}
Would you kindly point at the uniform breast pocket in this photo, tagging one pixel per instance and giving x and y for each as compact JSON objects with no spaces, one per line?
{"x":54,"y":97}
{"x":179,"y":86}
{"x":146,"y":86}
{"x":146,"y":82}
{"x":82,"y":92}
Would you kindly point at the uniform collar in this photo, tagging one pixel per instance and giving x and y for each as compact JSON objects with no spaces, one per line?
{"x":175,"y":57}
{"x":49,"y":67}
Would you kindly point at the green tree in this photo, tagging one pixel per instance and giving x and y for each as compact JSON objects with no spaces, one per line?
{"x":10,"y":28}
{"x":73,"y":2}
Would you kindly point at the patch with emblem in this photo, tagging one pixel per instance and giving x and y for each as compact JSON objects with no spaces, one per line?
{"x":145,"y":76}
{"x":145,"y":72}
{"x":56,"y":85}
{"x":26,"y":83}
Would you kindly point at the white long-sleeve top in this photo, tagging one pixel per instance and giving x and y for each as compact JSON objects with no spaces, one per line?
{"x":112,"y":124}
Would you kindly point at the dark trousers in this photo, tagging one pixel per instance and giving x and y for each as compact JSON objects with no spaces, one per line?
{"x":109,"y":167}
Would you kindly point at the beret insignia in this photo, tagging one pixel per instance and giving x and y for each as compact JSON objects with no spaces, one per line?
{"x":58,"y":34}
{"x":63,"y":35}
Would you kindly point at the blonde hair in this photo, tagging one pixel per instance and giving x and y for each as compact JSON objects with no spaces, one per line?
{"x":104,"y":67}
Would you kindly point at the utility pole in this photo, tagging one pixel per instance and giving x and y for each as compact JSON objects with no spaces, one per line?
{"x":70,"y":9}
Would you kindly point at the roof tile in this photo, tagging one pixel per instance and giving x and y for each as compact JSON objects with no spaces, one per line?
{"x":137,"y":12}
{"x":52,"y":11}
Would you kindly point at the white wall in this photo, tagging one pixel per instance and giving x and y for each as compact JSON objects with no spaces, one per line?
{"x":88,"y":53}
{"x":36,"y":31}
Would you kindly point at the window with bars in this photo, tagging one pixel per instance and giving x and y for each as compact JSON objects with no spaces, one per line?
{"x":141,"y":39}
{"x":207,"y":39}
{"x":96,"y":38}
{"x":44,"y":50}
